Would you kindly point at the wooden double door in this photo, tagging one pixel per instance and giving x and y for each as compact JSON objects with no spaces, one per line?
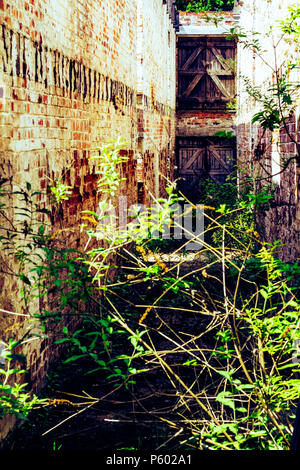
{"x":199,"y":158}
{"x":206,"y":73}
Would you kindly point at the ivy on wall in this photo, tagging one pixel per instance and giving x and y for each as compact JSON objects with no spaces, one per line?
{"x":204,"y":5}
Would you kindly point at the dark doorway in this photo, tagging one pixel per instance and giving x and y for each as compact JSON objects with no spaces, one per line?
{"x":203,"y":157}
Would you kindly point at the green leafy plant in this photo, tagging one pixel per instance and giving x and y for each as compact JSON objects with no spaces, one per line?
{"x":204,"y":5}
{"x":107,"y":166}
{"x":14,"y":399}
{"x":220,"y":332}
{"x":61,"y":192}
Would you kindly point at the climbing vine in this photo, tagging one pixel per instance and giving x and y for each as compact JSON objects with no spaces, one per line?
{"x":204,"y":5}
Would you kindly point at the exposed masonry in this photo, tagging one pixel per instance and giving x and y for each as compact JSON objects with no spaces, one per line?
{"x":22,"y":57}
{"x":68,"y":84}
{"x":263,"y":155}
{"x":56,"y":108}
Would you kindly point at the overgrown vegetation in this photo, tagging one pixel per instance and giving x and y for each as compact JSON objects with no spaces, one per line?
{"x":14,"y":399}
{"x":230,"y":369}
{"x":204,"y":5}
{"x":216,"y":330}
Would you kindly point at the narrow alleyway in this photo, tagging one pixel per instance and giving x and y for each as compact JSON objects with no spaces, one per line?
{"x":149,"y":225}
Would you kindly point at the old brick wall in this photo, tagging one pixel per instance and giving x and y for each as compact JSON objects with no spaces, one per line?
{"x":74,"y":75}
{"x":156,"y":96}
{"x":204,"y":123}
{"x":205,"y":23}
{"x":261,"y":155}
